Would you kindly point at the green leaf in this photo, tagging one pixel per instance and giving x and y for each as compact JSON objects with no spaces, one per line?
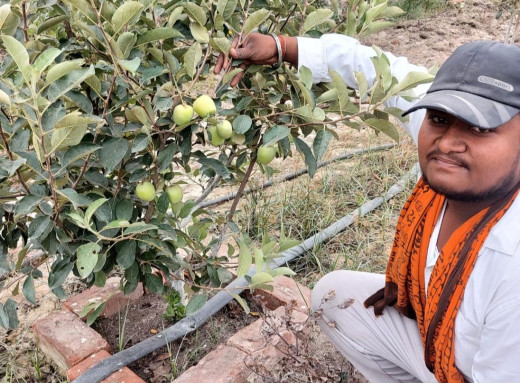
{"x":341,"y":89}
{"x":140,"y":142}
{"x":275,"y":134}
{"x":4,"y":12}
{"x":139,"y":228}
{"x":74,"y":197}
{"x":130,"y":65}
{"x":28,"y":290}
{"x":112,"y":152}
{"x":384,"y":126}
{"x":156,"y":34}
{"x":260,"y":280}
{"x":242,"y":302}
{"x":4,"y":98}
{"x":87,"y":258}
{"x":306,"y":76}
{"x":199,"y":33}
{"x":19,"y":55}
{"x":40,"y":226}
{"x":321,"y":142}
{"x":11,"y":166}
{"x":46,"y":59}
{"x":126,"y":42}
{"x":165,"y":157}
{"x":316,"y":18}
{"x":94,"y":315}
{"x":51,"y":22}
{"x":224,"y":275}
{"x":244,"y":259}
{"x":412,"y":80}
{"x":70,"y":130}
{"x":92,"y":209}
{"x":64,"y":84}
{"x":62,"y":69}
{"x":362,"y":84}
{"x":195,"y":304}
{"x":128,"y":13}
{"x":310,"y":160}
{"x":216,"y":165}
{"x":27,"y":204}
{"x":153,"y":283}
{"x":77,"y":152}
{"x":259,"y":259}
{"x":254,"y":20}
{"x":195,"y":12}
{"x":226,"y":8}
{"x":228,"y":76}
{"x":242,"y":124}
{"x":192,"y":58}
{"x":126,"y":254}
{"x":59,"y":272}
{"x":8,"y":314}
{"x":221,"y":44}
{"x":283,"y":271}
{"x":83,"y":6}
{"x":124,"y":209}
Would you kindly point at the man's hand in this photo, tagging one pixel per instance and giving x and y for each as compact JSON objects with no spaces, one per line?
{"x":256,"y":49}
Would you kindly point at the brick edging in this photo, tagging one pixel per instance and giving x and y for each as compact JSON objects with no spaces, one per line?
{"x":81,"y":347}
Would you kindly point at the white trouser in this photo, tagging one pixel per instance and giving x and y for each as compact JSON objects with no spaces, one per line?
{"x":387,"y":348}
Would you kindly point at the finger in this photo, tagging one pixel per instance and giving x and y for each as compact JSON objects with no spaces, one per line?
{"x":219,"y":64}
{"x":238,"y":76}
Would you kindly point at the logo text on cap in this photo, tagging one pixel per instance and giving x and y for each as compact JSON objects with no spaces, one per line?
{"x":496,"y":83}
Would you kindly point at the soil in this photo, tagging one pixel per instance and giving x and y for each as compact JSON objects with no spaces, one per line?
{"x":426,"y":41}
{"x":145,"y":318}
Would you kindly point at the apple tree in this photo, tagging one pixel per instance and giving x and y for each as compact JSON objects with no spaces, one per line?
{"x":107,"y":108}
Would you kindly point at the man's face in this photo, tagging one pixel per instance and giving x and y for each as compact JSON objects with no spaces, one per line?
{"x":467,"y":163}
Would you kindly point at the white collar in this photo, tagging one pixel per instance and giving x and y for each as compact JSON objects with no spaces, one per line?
{"x":505,"y":235}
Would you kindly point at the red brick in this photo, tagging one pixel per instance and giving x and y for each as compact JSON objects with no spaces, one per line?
{"x":223,"y":365}
{"x":285,"y":291}
{"x":117,"y":302}
{"x":124,"y":375}
{"x":269,"y":332}
{"x":67,"y":340}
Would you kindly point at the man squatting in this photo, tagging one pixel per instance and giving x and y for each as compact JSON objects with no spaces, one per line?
{"x":448,"y":308}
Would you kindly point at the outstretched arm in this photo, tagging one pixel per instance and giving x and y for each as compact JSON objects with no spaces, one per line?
{"x":257,"y":49}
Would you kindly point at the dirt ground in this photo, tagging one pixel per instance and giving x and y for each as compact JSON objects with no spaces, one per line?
{"x":426,"y":41}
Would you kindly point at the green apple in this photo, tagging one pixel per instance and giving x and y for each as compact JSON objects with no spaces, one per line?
{"x":174,"y":194}
{"x":224,"y":129}
{"x":265,"y":154}
{"x":182,"y":114}
{"x":216,"y":140}
{"x":145,"y":191}
{"x":238,"y":138}
{"x":204,"y":106}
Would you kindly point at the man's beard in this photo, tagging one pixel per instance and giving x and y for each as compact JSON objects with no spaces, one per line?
{"x":502,"y":187}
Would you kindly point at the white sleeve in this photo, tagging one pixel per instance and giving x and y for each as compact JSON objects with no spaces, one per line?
{"x":345,"y":55}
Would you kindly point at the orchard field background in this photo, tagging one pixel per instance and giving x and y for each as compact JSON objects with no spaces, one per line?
{"x":139,"y":122}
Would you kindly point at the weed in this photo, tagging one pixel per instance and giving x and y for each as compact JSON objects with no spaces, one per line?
{"x":418,"y":8}
{"x":175,"y":309}
{"x":121,"y":343}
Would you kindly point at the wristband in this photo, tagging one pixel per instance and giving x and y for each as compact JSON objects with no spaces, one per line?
{"x":279,"y":51}
{"x":284,"y":46}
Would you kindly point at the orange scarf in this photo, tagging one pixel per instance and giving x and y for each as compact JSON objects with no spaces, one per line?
{"x":436,"y":313}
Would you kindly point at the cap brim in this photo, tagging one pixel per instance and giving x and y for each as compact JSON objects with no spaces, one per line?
{"x":475,"y":110}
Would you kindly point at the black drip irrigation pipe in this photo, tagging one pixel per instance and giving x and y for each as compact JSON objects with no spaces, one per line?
{"x":116,"y":362}
{"x":294,"y":175}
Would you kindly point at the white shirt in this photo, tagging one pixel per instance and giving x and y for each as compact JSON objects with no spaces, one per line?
{"x":487,"y":327}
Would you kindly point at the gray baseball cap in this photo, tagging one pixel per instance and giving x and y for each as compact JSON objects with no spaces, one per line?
{"x":479,"y":84}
